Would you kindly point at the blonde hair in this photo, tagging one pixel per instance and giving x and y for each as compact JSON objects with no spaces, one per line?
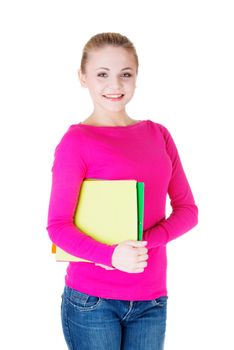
{"x":101,"y":40}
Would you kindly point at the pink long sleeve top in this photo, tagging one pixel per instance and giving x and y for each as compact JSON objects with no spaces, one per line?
{"x":144,"y":151}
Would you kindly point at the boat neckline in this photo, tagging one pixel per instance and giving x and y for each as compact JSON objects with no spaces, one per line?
{"x":113,"y":126}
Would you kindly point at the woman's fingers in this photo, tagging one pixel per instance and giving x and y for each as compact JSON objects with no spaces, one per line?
{"x":105,"y":267}
{"x":142,"y":257}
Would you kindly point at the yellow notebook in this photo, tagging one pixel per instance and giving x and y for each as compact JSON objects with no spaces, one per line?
{"x":107,"y":211}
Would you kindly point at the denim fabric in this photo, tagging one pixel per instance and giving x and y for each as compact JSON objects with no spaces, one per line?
{"x":94,"y":323}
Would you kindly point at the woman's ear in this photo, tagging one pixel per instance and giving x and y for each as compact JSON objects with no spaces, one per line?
{"x":82,"y":78}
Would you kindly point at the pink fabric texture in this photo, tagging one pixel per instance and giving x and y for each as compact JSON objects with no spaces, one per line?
{"x":144,"y":151}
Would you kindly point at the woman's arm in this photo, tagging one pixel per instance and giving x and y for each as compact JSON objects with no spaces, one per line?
{"x":184,"y":215}
{"x":68,"y":172}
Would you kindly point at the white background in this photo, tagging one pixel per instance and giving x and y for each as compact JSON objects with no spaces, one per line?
{"x":186,"y":82}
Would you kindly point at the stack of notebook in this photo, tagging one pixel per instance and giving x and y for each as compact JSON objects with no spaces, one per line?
{"x":110,"y":211}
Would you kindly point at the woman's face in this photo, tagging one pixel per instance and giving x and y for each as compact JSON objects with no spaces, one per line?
{"x":110,"y":71}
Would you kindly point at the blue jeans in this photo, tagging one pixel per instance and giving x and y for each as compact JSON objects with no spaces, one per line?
{"x":93,"y":323}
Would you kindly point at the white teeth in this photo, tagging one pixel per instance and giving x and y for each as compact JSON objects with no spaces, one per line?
{"x":113,"y":96}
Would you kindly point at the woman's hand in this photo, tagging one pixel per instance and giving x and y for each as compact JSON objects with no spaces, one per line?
{"x":130,"y":256}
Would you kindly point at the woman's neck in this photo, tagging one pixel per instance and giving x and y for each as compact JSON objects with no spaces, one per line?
{"x":108,"y":121}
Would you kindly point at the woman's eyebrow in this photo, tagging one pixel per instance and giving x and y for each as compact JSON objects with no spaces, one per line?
{"x":109,"y":69}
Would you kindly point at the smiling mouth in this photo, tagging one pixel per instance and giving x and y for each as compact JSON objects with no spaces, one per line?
{"x":114,"y":97}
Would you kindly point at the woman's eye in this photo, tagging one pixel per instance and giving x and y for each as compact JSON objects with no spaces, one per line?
{"x":100,"y":74}
{"x":129,"y":75}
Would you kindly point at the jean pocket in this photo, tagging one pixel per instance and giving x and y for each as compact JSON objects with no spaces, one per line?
{"x":81,"y":301}
{"x":161,"y":301}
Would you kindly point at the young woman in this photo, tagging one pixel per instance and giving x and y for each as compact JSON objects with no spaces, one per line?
{"x":120,"y":301}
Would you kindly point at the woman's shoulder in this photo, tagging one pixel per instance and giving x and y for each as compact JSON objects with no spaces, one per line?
{"x":159,"y":126}
{"x":73,"y":132}
{"x":70,"y":139}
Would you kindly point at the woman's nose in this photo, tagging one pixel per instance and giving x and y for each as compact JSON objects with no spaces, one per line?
{"x":114,"y":83}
